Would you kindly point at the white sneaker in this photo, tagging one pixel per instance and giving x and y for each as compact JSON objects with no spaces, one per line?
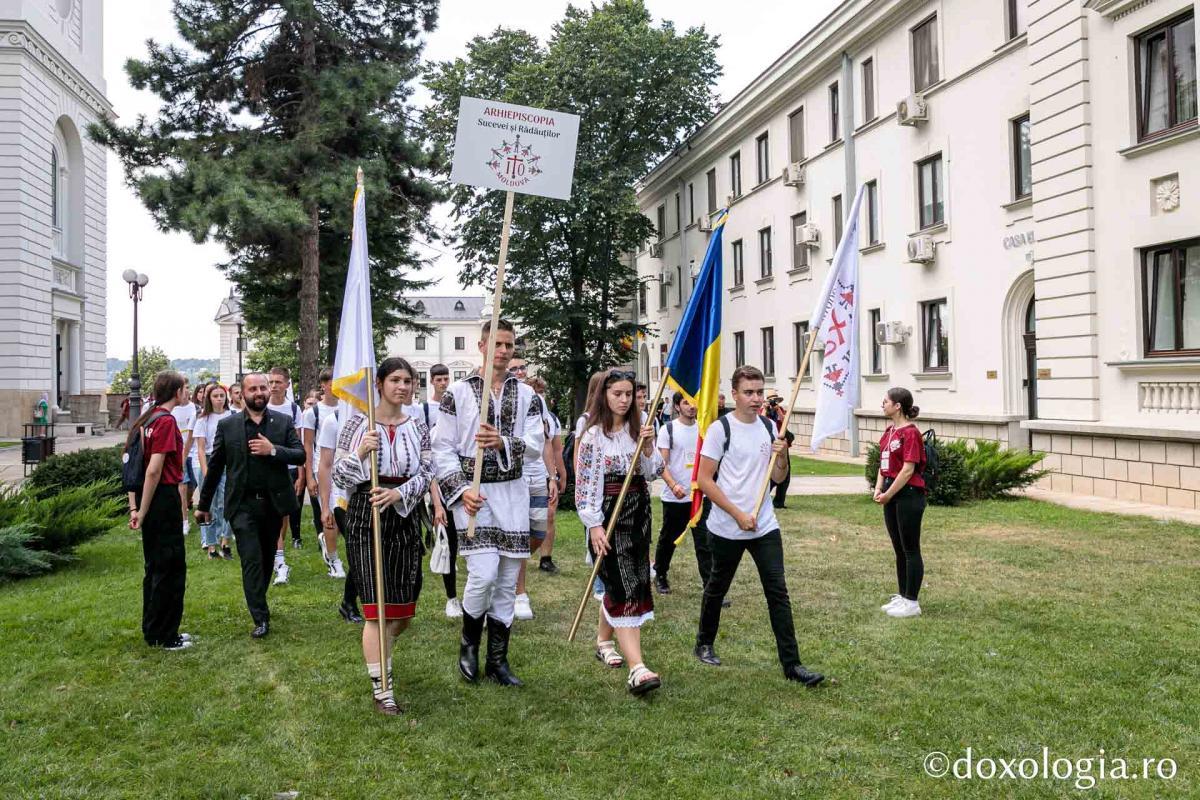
{"x":892,"y":601}
{"x":906,"y":608}
{"x":653,"y":572}
{"x":454,"y":608}
{"x":521,"y":609}
{"x":324,"y":549}
{"x":187,"y":526}
{"x":281,"y":574}
{"x":336,"y":570}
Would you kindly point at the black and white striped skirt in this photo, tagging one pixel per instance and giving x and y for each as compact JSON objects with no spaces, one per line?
{"x":402,"y":551}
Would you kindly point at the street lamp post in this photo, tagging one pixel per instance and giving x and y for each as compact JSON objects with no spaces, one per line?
{"x":241,"y":348}
{"x":137,"y":281}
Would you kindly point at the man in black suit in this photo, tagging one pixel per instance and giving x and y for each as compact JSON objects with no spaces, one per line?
{"x":254,"y":448}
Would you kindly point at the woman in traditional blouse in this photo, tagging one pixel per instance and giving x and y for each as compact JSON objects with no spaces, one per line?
{"x":607,"y":452}
{"x":401,"y":445}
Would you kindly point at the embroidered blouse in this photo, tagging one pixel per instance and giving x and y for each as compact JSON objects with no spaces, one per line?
{"x":600,"y":456}
{"x":404,"y":451}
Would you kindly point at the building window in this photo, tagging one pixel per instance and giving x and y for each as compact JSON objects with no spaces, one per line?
{"x":1016,"y":18}
{"x":459,"y":374}
{"x":1170,"y":284}
{"x":872,"y":212}
{"x":762,"y":147}
{"x":739,"y":349}
{"x":55,"y":207}
{"x":711,"y":177}
{"x":868,"y":88}
{"x":423,"y":379}
{"x":768,"y":352}
{"x":642,"y":297}
{"x":1022,"y":167}
{"x":935,"y":339}
{"x":678,"y":212}
{"x":800,"y":337}
{"x":837,"y":220}
{"x":799,"y":249}
{"x":835,"y":126}
{"x":661,"y":224}
{"x":1166,"y":66}
{"x":796,"y":135}
{"x":678,"y":286}
{"x":929,"y":191}
{"x":735,"y":174}
{"x":460,"y":343}
{"x":662,"y":291}
{"x":764,"y":253}
{"x":420,"y":343}
{"x":691,"y":203}
{"x":739,"y":264}
{"x":873,"y":319}
{"x":458,"y":306}
{"x":925,"y":54}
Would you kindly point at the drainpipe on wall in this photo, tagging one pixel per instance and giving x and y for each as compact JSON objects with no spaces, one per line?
{"x":848,"y":108}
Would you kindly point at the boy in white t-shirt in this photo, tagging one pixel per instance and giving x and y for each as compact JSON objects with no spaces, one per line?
{"x":311,"y":422}
{"x":740,"y":444}
{"x":677,"y":443}
{"x":278,"y":381}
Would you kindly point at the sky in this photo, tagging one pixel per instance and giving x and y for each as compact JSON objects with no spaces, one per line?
{"x":186,"y":287}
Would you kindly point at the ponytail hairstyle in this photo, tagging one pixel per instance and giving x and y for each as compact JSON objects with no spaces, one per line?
{"x":903,"y":397}
{"x":166,"y":385}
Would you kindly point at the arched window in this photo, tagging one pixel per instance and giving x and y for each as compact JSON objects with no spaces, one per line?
{"x":419,"y":307}
{"x":56,"y":202}
{"x":458,"y":306}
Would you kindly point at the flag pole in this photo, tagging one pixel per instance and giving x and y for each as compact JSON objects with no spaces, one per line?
{"x":616,"y":512}
{"x":377,"y":544}
{"x":489,"y":357}
{"x":787,"y":415}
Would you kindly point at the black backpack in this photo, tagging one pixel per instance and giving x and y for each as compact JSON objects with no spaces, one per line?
{"x":133,"y":460}
{"x":930,"y":471}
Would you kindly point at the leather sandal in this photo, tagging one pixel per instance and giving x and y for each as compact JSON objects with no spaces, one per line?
{"x":606,"y":654}
{"x":642,"y":681}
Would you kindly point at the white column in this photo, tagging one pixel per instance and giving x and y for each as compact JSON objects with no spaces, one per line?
{"x":74,"y":358}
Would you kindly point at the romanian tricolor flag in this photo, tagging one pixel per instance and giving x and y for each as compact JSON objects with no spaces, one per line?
{"x":694,"y":360}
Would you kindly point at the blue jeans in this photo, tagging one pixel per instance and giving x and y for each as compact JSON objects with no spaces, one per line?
{"x":213,"y":532}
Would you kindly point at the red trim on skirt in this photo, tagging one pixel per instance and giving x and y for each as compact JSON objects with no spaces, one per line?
{"x":392,"y":610}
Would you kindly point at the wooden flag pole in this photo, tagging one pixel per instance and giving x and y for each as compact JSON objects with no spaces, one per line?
{"x":616,"y":512}
{"x":787,"y":414}
{"x":377,"y":543}
{"x":489,"y":358}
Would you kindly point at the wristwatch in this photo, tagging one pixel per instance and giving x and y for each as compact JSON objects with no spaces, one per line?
{"x":272,"y":451}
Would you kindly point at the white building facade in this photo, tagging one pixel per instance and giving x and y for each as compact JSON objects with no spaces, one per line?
{"x":453,"y":339}
{"x":231,"y":327}
{"x":52,"y":189}
{"x":1030,"y":232}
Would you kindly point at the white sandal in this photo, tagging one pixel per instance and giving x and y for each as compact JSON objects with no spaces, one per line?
{"x":642,"y":681}
{"x":606,"y":654}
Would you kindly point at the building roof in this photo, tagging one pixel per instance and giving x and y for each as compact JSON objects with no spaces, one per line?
{"x":230,"y":309}
{"x":448,"y":308}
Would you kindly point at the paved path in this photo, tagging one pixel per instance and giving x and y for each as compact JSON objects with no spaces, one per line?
{"x":1105,"y":505}
{"x":12,"y":471}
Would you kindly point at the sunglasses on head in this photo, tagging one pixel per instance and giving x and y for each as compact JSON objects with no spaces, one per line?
{"x":620,"y":375}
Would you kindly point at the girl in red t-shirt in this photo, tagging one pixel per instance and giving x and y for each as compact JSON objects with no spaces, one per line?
{"x":900,"y":489}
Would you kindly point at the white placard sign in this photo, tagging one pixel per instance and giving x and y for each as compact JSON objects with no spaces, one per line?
{"x":515,"y":148}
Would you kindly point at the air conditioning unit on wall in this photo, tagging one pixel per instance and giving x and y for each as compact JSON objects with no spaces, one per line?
{"x":656,"y":250}
{"x":912,"y":110}
{"x":921,"y":250}
{"x":808,"y":235}
{"x":704,"y":225}
{"x":667,"y":277}
{"x":793,"y":174}
{"x":891,"y":333}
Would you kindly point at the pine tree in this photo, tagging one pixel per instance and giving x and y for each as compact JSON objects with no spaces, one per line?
{"x":267,"y":113}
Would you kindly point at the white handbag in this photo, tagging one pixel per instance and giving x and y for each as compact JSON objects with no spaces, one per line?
{"x":439,"y":556}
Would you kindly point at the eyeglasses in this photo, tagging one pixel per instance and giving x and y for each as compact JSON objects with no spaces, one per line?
{"x":621,"y":375}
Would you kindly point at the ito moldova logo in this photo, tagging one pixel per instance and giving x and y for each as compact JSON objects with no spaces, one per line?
{"x":514,"y":163}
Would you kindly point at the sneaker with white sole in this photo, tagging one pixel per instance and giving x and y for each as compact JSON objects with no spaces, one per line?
{"x":892,"y":601}
{"x":187,"y":526}
{"x":324,"y":549}
{"x":178,"y":644}
{"x":454,"y":608}
{"x":906,"y":608}
{"x":336,"y":570}
{"x":522,"y":609}
{"x":281,"y":574}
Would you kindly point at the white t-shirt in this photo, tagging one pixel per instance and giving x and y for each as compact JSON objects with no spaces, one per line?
{"x":536,"y":469}
{"x":682,"y":456}
{"x":288,"y":409}
{"x":740,"y":473}
{"x":327,"y":436}
{"x":206,"y":428}
{"x":417,"y":411}
{"x":309,"y":422}
{"x":185,"y":418}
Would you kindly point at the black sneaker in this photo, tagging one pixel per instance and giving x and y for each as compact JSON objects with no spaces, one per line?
{"x":212,"y":555}
{"x":178,"y":643}
{"x":226,"y":553}
{"x":547,"y":565}
{"x":661,"y":585}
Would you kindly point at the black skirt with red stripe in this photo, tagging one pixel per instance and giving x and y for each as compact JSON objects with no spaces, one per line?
{"x":628,"y":598}
{"x":402,"y":551}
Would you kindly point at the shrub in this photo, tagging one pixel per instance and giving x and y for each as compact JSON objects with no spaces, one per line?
{"x":994,"y":472}
{"x":72,"y":516}
{"x":951,"y":485}
{"x":17,"y":558}
{"x":70,"y":470}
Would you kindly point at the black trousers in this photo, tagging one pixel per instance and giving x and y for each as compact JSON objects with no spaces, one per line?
{"x":165,"y":566}
{"x":675,"y":518}
{"x":902,"y":516}
{"x":767,"y":552}
{"x":350,"y":590}
{"x":450,"y":579}
{"x":295,"y":520}
{"x":315,"y":502}
{"x":256,"y":526}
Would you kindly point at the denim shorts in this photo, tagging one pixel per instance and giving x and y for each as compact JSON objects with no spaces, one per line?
{"x":189,"y":472}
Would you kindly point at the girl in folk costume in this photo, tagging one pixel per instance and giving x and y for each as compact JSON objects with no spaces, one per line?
{"x":607,"y":452}
{"x":401,"y":446}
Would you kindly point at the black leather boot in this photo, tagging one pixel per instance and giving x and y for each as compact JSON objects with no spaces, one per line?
{"x":497,"y":655}
{"x":468,"y":648}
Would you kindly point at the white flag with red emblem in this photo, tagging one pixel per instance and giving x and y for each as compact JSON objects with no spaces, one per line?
{"x":835,"y":318}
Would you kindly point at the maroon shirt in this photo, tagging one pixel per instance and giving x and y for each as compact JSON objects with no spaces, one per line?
{"x":902,"y":445}
{"x":163,"y":437}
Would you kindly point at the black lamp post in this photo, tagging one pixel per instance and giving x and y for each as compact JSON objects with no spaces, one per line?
{"x":241,"y":348}
{"x":137,"y":281}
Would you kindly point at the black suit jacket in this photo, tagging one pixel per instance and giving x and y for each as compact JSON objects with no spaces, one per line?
{"x":231,"y":453}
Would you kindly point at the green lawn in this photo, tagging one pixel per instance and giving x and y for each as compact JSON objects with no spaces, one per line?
{"x":1043,"y":627}
{"x":802,"y":467}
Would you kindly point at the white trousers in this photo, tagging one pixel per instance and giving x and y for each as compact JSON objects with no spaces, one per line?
{"x":491,"y":586}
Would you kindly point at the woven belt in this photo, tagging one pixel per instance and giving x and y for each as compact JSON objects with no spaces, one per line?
{"x":613,"y":488}
{"x":384,"y":480}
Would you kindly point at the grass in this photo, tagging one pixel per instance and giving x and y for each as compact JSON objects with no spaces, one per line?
{"x":1043,"y":627}
{"x":802,"y":467}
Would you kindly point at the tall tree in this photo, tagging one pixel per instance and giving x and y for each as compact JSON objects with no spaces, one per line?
{"x":639,"y":89}
{"x":267,"y":112}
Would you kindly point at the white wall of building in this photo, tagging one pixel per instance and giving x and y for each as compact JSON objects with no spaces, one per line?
{"x":453,"y":340}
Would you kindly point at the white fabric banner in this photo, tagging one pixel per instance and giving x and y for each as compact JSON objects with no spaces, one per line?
{"x":835,"y":319}
{"x":355,"y":344}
